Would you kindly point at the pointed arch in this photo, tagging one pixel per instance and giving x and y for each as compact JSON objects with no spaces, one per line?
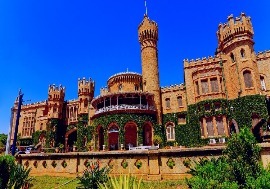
{"x":113,"y":136}
{"x":100,"y":132}
{"x":130,"y":134}
{"x":147,"y":134}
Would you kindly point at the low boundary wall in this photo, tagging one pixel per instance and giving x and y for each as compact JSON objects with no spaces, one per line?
{"x":148,"y":164}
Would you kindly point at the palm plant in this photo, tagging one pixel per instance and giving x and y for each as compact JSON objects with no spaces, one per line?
{"x":122,"y":182}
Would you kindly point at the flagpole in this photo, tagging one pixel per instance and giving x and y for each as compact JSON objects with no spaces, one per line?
{"x":146,"y":11}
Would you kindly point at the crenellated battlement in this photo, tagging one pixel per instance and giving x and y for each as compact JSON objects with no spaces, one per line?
{"x":86,"y":82}
{"x":56,"y":92}
{"x":263,"y":55}
{"x":240,"y":27}
{"x":201,"y":61}
{"x":35,"y":104}
{"x":148,"y":33}
{"x":173,"y":88}
{"x":54,"y":88}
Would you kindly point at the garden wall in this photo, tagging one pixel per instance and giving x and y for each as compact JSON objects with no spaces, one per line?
{"x":149,"y":164}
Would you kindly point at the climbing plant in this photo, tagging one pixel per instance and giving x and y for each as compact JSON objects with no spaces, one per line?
{"x":82,"y":132}
{"x":240,"y":109}
{"x":55,"y":132}
{"x":121,"y":120}
{"x":36,"y":135}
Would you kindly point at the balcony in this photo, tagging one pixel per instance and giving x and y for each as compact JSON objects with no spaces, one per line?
{"x":133,"y":102}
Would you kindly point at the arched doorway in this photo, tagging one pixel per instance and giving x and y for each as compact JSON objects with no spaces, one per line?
{"x":234,"y":127}
{"x":147,"y":134}
{"x":113,"y":135}
{"x":100,"y":137}
{"x":70,"y":139}
{"x":130,"y":135}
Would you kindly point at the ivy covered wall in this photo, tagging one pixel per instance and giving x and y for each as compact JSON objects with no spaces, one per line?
{"x":121,"y":120}
{"x":240,"y":109}
{"x":55,"y":132}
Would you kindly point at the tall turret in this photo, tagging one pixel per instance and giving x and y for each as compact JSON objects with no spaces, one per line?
{"x":148,"y":38}
{"x":235,"y":45}
{"x":56,"y":96}
{"x":86,"y":90}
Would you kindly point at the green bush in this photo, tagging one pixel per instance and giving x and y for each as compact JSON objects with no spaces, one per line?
{"x":94,"y":175}
{"x":239,"y":167}
{"x":12,"y":175}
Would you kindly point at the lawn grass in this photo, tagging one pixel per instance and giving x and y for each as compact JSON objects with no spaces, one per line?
{"x":49,"y":182}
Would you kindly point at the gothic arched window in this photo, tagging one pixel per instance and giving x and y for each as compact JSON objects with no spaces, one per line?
{"x":248,"y":79}
{"x":170,"y":131}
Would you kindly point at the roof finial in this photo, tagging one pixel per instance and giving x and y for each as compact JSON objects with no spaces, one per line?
{"x":145,"y":4}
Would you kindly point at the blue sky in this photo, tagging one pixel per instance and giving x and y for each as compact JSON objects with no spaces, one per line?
{"x":56,"y":42}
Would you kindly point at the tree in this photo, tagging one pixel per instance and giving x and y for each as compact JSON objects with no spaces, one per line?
{"x":3,"y":139}
{"x":12,"y":175}
{"x":238,"y":167}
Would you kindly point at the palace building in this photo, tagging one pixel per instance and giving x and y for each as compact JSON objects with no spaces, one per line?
{"x":220,"y":93}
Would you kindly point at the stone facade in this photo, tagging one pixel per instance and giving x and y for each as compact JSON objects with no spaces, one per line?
{"x":234,"y":71}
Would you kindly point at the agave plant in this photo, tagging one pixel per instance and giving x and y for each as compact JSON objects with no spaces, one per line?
{"x":122,"y":182}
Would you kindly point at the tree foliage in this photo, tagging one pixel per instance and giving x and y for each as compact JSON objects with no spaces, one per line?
{"x":239,"y":167}
{"x":3,"y":139}
{"x":12,"y":175}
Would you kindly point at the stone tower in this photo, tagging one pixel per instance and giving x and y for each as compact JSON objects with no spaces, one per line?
{"x":235,"y":46}
{"x":56,"y":96}
{"x":148,"y":38}
{"x":86,"y":90}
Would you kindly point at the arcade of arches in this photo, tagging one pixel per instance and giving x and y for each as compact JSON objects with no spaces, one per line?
{"x":130,"y":133}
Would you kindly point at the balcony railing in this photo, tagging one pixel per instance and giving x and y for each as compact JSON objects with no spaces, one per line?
{"x":125,"y":107}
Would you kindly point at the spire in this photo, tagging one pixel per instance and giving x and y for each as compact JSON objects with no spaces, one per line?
{"x":146,"y":11}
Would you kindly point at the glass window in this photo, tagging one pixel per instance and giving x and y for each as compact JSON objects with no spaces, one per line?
{"x":209,"y":126}
{"x":136,"y":87}
{"x":242,"y":52}
{"x":120,"y":87}
{"x":168,"y":103}
{"x":263,"y":86}
{"x":232,"y":57}
{"x":197,"y":88}
{"x":214,"y":85}
{"x":181,"y":119}
{"x":170,"y":131}
{"x":220,"y":126}
{"x":205,"y":88}
{"x":248,"y":79}
{"x":179,"y":101}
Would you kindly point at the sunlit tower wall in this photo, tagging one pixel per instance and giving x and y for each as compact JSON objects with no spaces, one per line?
{"x":236,"y":47}
{"x":148,"y":38}
{"x":56,"y":96}
{"x":86,"y":89}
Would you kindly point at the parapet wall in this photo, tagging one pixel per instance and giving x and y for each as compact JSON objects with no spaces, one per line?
{"x":263,"y":55}
{"x":148,"y":164}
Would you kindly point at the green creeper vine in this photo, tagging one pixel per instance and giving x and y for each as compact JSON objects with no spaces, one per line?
{"x":243,"y":108}
{"x":55,"y":132}
{"x":82,"y":132}
{"x":121,"y":120}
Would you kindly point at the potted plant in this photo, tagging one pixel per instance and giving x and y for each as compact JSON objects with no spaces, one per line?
{"x":157,"y":140}
{"x":90,"y":145}
{"x":74,"y":147}
{"x":61,"y":147}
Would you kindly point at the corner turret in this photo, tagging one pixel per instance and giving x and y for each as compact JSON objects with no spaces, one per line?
{"x":235,"y":30}
{"x":86,"y":90}
{"x":56,"y":96}
{"x":148,"y":38}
